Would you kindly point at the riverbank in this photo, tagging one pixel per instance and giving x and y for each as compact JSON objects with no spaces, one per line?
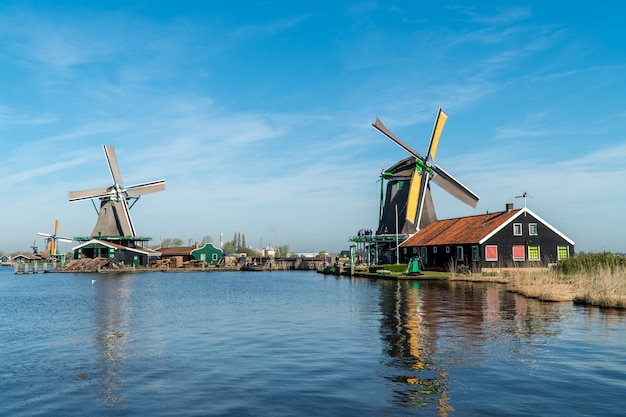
{"x":604,"y":287}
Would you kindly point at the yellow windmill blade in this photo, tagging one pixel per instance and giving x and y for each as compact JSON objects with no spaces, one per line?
{"x":413,"y":198}
{"x":420,"y":178}
{"x":53,"y":240}
{"x":434,"y":139}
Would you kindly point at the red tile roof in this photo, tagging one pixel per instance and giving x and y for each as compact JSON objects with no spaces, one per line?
{"x":177,"y":251}
{"x":461,"y":230}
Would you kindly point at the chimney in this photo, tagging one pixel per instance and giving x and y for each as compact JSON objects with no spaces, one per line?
{"x":509,"y":207}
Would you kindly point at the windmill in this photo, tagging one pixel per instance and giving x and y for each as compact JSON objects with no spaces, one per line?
{"x":384,"y":176}
{"x":416,"y":203}
{"x":52,"y":239}
{"x":114,"y":219}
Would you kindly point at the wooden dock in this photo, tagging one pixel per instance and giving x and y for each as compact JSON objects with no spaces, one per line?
{"x":35,"y":268}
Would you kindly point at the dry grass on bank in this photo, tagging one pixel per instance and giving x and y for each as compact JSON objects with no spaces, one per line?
{"x":605,"y":287}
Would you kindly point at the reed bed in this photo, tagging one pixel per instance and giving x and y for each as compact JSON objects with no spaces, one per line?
{"x":590,"y":279}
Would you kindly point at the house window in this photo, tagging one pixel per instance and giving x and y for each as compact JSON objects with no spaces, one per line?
{"x":434,"y":249}
{"x":414,"y":250}
{"x":562,"y":252}
{"x":532,"y":229}
{"x":491,"y":253}
{"x":404,"y":251}
{"x":447,"y":249}
{"x":475,"y":253}
{"x":518,"y":253}
{"x":517,"y":229}
{"x":214,"y":257}
{"x":459,"y":253}
{"x":533,"y":253}
{"x":424,"y":255}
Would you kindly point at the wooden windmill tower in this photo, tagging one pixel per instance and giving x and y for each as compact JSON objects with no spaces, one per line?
{"x":114,"y":220}
{"x":408,"y":187}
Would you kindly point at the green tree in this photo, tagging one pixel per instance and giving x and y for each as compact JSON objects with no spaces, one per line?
{"x":172,"y":242}
{"x":229,"y":248}
{"x":282,"y":251}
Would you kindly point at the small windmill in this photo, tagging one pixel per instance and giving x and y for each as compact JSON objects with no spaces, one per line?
{"x":418,"y":199}
{"x":116,"y":201}
{"x":52,"y":239}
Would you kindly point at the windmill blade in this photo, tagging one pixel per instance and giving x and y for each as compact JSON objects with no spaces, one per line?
{"x":44,"y":234}
{"x":425,"y":177}
{"x":440,"y":121}
{"x":127,"y":218}
{"x":88,"y":194}
{"x":65,"y":239}
{"x":416,"y":189}
{"x":109,"y":153}
{"x":454,"y":186}
{"x":378,"y":125}
{"x":145,"y":188}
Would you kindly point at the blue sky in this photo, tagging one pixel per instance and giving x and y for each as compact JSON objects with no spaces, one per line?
{"x":258,"y":115}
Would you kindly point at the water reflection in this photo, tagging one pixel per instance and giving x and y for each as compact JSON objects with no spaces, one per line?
{"x":431,"y":328}
{"x":410,"y":342}
{"x":113,"y":294}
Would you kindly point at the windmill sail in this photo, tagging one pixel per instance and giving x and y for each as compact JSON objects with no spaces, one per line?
{"x":418,"y":199}
{"x":52,"y":239}
{"x":397,"y":195}
{"x":114,"y":218}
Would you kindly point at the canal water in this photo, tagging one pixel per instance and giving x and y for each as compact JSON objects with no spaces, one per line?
{"x":293,"y":343}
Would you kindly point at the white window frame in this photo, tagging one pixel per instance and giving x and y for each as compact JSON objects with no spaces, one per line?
{"x":558,"y":252}
{"x":523,"y":258}
{"x":517,"y":229}
{"x":459,"y":254}
{"x":538,"y":253}
{"x":532,"y":229}
{"x":491,"y":259}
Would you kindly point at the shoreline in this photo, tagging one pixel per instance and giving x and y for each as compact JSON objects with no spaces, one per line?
{"x":605,"y":289}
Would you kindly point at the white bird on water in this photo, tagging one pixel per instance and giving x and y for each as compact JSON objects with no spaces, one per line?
{"x":93,"y":281}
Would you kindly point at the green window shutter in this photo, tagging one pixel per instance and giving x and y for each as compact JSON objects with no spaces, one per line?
{"x":475,"y":253}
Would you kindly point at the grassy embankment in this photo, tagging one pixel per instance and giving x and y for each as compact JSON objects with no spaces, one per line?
{"x":590,"y":279}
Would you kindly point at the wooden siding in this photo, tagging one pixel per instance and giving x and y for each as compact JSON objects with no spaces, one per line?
{"x":440,"y":243}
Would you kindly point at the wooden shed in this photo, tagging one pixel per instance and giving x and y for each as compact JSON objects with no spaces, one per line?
{"x":206,"y":253}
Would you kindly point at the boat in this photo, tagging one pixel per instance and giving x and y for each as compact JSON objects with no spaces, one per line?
{"x":252,"y":267}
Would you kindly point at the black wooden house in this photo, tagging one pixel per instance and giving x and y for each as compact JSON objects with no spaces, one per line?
{"x":514,"y":237}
